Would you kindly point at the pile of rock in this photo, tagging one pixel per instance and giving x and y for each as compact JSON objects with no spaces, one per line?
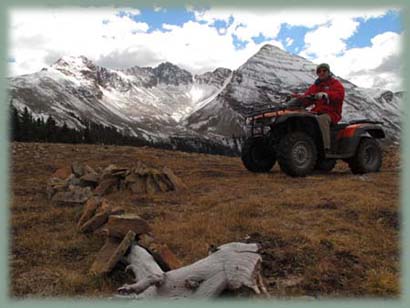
{"x":121,"y":231}
{"x":80,"y":182}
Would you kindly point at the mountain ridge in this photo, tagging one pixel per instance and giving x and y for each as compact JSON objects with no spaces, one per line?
{"x":166,"y":102}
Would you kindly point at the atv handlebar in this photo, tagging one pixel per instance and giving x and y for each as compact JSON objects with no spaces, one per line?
{"x":280,"y":106}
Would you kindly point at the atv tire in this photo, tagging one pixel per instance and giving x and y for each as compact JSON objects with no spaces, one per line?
{"x":257,"y":156}
{"x":368,"y":157}
{"x":325,"y":165}
{"x":297,"y":154}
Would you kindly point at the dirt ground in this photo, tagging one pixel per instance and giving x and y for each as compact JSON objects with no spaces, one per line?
{"x":326,"y":235}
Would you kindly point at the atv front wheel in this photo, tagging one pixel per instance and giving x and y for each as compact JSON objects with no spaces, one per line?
{"x":297,"y":154}
{"x":368,"y":157}
{"x":257,"y":156}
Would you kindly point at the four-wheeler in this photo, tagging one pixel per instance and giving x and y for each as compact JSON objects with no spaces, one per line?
{"x":291,"y":135}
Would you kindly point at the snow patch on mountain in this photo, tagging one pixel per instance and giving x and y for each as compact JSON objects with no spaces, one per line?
{"x":168,"y":104}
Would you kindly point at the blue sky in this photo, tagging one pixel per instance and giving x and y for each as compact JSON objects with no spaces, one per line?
{"x":356,"y":43}
{"x":367,"y":29}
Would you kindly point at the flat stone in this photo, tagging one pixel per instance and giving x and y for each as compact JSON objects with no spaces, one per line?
{"x":163,"y":182}
{"x":139,"y":186}
{"x":99,"y":219}
{"x":89,"y":179}
{"x":119,"y":225}
{"x":176,"y":181}
{"x":109,"y":255}
{"x":113,"y":170}
{"x":55,"y":185}
{"x":77,"y":168}
{"x":106,"y":186}
{"x":161,"y":252}
{"x":167,"y":255}
{"x":89,"y":210}
{"x":62,"y":173}
{"x":78,"y":195}
{"x":88,"y":169}
{"x":73,"y":180}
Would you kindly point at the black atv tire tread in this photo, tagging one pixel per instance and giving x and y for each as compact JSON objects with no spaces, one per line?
{"x":249,"y":162}
{"x":356,"y":162}
{"x":284,"y":149}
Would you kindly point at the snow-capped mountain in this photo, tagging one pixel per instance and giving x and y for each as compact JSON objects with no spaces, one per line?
{"x":144,"y":102}
{"x":168,"y":104}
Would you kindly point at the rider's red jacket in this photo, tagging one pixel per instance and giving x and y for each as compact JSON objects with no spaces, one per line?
{"x":336,"y":93}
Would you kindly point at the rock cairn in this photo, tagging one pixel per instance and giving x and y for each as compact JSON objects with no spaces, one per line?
{"x":80,"y":182}
{"x":82,"y":185}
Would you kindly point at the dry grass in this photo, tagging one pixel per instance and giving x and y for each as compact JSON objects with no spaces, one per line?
{"x":334,"y":235}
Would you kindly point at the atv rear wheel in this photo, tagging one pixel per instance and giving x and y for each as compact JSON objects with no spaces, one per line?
{"x":257,"y":156}
{"x":325,"y":165}
{"x":297,"y":154}
{"x":368,"y":157}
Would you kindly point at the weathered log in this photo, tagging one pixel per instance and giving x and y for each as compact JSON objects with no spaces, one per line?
{"x":230,"y":267}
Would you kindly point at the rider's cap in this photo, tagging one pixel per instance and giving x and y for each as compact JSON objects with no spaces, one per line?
{"x":323,"y":65}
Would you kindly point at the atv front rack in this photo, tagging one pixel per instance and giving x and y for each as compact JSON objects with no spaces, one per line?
{"x":261,"y":115}
{"x":262,"y":111}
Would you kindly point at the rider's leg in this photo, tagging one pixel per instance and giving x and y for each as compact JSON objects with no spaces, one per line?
{"x":324,"y":123}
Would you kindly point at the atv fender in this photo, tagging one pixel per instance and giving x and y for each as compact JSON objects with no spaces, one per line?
{"x":349,"y":138}
{"x":304,"y":122}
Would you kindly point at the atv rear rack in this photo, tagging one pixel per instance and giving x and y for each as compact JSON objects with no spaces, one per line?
{"x":359,"y":121}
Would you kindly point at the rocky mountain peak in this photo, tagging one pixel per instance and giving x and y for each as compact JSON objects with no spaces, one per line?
{"x":77,"y":63}
{"x":216,"y":77}
{"x":171,"y":74}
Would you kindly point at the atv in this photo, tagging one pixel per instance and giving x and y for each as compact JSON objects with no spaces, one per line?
{"x":291,"y":135}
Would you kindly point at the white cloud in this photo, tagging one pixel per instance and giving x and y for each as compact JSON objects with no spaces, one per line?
{"x":369,"y":66}
{"x":35,"y":34}
{"x":40,"y":37}
{"x":328,"y":40}
{"x":158,"y":8}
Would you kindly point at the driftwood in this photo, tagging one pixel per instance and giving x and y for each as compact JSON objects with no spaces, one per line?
{"x":230,"y":267}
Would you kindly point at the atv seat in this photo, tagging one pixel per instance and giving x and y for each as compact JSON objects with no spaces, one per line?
{"x":342,"y":125}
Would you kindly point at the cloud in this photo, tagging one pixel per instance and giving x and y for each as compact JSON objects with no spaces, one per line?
{"x":369,"y":66}
{"x":38,"y":35}
{"x":112,"y":38}
{"x":122,"y":59}
{"x":106,"y":36}
{"x":158,"y":8}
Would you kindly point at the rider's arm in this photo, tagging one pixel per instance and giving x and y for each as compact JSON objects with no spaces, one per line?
{"x":311,"y":90}
{"x":336,"y":93}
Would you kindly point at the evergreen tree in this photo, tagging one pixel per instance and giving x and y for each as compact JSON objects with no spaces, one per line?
{"x":50,"y":130}
{"x":15,"y":125}
{"x":26,"y":126}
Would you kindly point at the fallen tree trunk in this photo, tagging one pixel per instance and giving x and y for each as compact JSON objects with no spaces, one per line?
{"x":230,"y":267}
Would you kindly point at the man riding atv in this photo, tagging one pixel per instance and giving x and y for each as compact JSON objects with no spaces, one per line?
{"x":329,"y":94}
{"x":302,"y":141}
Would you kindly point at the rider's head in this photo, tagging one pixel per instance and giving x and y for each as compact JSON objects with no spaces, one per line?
{"x":323,"y":71}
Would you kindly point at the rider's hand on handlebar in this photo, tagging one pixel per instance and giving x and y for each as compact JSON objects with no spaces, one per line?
{"x":322,"y":95}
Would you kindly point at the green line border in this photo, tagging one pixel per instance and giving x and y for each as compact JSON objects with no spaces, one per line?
{"x":5,"y":301}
